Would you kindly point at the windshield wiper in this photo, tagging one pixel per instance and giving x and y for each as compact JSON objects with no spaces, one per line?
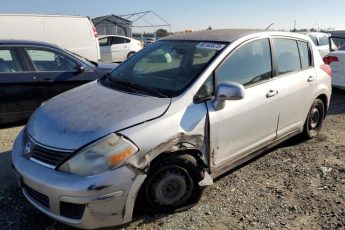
{"x":138,"y":88}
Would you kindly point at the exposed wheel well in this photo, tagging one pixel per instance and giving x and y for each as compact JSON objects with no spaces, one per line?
{"x":324,"y":99}
{"x":193,"y":152}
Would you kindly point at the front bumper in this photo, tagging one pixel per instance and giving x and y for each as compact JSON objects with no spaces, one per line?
{"x":103,"y":200}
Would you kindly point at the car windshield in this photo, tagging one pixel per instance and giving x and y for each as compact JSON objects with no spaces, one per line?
{"x":165,"y":68}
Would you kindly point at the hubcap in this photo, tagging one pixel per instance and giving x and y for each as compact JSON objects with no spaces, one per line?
{"x":315,"y":117}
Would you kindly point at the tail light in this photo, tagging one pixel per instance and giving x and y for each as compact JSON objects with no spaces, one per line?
{"x":329,"y":59}
{"x":94,"y":32}
{"x":327,"y":69}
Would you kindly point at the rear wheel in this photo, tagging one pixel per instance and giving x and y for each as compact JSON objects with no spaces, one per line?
{"x":172,"y":184}
{"x":314,"y":119}
{"x":130,"y":54}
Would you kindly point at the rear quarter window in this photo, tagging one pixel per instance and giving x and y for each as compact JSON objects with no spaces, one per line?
{"x":287,"y":55}
{"x":305,"y":54}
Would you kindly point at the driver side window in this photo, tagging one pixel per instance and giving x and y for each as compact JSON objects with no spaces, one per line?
{"x":48,"y":61}
{"x":249,"y":64}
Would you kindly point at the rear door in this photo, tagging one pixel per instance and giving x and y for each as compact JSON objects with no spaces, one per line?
{"x":296,"y":79}
{"x":20,"y":92}
{"x":57,"y":71}
{"x":245,"y":125}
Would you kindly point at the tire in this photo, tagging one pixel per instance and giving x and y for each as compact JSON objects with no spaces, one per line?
{"x":314,"y":120}
{"x":130,"y":54}
{"x":172,"y":184}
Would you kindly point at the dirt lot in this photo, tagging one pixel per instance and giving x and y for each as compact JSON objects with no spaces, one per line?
{"x":299,"y":185}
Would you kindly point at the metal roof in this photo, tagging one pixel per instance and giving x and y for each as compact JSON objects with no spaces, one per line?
{"x":112,"y":18}
{"x":10,"y":42}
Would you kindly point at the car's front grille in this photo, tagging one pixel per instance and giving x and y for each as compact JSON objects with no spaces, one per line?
{"x":48,"y":156}
{"x":37,"y":196}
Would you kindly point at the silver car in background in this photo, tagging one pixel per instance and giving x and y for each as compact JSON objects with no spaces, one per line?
{"x":166,"y":122}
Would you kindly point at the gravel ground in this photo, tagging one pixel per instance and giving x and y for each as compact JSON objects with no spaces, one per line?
{"x":298,"y":185}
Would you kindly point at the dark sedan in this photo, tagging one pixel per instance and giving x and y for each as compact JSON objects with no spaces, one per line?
{"x":32,"y":72}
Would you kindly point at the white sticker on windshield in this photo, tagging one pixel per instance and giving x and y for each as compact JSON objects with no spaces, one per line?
{"x":211,"y":45}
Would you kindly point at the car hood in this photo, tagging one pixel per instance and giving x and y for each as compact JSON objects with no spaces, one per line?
{"x":104,"y":68}
{"x":84,"y":114}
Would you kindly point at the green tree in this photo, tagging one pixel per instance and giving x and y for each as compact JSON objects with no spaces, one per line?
{"x":161,"y":33}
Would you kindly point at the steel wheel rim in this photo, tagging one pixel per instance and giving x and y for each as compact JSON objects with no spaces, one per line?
{"x":170,"y":186}
{"x":315,"y":118}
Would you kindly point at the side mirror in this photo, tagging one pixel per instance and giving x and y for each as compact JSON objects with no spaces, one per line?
{"x":227,"y":91}
{"x":81,"y":69}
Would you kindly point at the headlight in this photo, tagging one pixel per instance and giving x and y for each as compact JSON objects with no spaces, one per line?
{"x":101,"y":156}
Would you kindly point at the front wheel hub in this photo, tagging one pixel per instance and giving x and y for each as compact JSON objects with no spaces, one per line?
{"x":315,"y":118}
{"x":171,"y":187}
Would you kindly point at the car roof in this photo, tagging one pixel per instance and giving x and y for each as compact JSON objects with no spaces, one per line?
{"x":12,"y":42}
{"x":228,"y":35}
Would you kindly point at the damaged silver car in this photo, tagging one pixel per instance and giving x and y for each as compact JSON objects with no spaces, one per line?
{"x":167,"y":121}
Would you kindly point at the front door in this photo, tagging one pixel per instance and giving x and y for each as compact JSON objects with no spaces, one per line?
{"x":56,"y":71}
{"x":247,"y":124}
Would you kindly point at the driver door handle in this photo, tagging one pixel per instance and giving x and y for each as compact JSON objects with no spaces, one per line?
{"x":271,"y":93}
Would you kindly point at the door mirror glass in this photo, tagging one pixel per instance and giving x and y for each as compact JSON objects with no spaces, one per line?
{"x":227,"y":91}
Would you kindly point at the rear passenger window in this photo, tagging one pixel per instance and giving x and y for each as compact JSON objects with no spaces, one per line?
{"x":249,"y":64}
{"x":287,"y":55}
{"x":305,"y":54}
{"x":9,"y":61}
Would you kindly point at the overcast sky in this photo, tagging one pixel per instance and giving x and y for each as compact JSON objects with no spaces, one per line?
{"x":196,"y":15}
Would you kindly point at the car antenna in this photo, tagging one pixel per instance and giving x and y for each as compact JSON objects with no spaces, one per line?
{"x":269,"y":26}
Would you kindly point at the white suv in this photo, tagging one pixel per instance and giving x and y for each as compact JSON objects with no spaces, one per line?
{"x":115,"y":48}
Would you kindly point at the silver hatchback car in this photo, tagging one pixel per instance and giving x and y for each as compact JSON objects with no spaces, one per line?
{"x":167,"y":121}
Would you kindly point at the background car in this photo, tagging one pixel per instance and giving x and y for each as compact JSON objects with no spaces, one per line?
{"x":32,"y":72}
{"x":322,"y":42}
{"x":336,"y":60}
{"x":115,"y":48}
{"x":149,"y":41}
